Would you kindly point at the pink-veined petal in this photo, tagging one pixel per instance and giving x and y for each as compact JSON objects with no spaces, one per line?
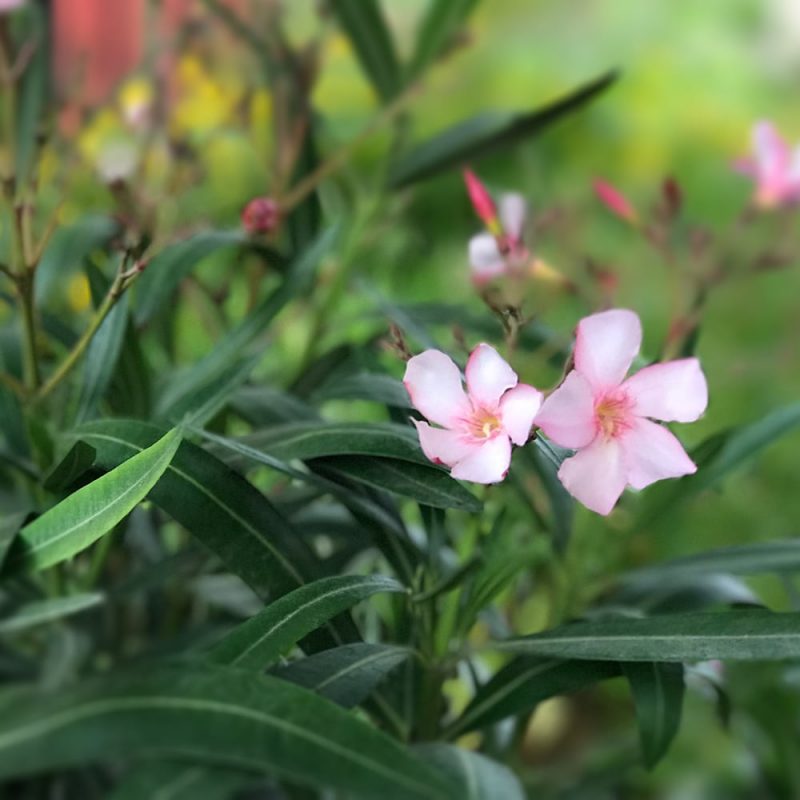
{"x":485,"y":258}
{"x":567,"y":415}
{"x":651,"y":453}
{"x":513,"y":212}
{"x":595,"y":475}
{"x":674,"y":392}
{"x":771,"y":151}
{"x":518,"y":408}
{"x":488,"y":464}
{"x":443,"y":446}
{"x":488,"y":377}
{"x":605,"y":346}
{"x":433,"y":383}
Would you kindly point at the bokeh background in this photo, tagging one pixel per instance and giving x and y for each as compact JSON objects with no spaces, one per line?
{"x":694,"y":78}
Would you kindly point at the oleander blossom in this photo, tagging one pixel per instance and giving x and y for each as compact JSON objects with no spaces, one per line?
{"x":608,"y":419}
{"x":477,"y":426}
{"x":774,"y":166}
{"x":11,"y":5}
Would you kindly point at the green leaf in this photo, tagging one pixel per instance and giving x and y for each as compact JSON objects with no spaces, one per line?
{"x":658,"y":691}
{"x":265,"y":406}
{"x":348,"y":674}
{"x":524,"y":683}
{"x":441,"y":23}
{"x":365,"y":386}
{"x":428,"y":485}
{"x":474,"y":776}
{"x":748,"y":559}
{"x":77,"y":460}
{"x":48,"y":610}
{"x":365,"y":26}
{"x":84,"y":516}
{"x":219,"y":507}
{"x":741,"y":635}
{"x":172,"y":780}
{"x":487,"y":133}
{"x":722,"y":453}
{"x":167,"y":269}
{"x":212,"y":715}
{"x":265,"y":637}
{"x":10,"y":525}
{"x":101,"y":359}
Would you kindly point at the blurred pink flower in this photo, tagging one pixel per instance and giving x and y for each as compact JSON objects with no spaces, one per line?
{"x":614,"y":200}
{"x":11,"y":5}
{"x":774,"y":167}
{"x":481,"y":199}
{"x":261,"y":215}
{"x":477,"y":426}
{"x":606,"y":418}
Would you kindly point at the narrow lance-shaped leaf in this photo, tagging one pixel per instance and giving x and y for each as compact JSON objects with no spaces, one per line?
{"x":263,"y":638}
{"x":740,"y":635}
{"x":365,"y":26}
{"x":348,"y":674}
{"x":486,"y":133}
{"x":54,"y":608}
{"x":441,"y":23}
{"x":173,"y":780}
{"x":215,"y":715}
{"x":658,"y":694}
{"x":86,"y":515}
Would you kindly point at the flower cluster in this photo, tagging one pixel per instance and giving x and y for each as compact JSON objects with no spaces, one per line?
{"x":774,"y":166}
{"x":606,"y":418}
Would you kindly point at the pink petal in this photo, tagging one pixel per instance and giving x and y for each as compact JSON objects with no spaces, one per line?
{"x":480,"y":198}
{"x":488,"y":377}
{"x":614,"y":200}
{"x":433,"y":383}
{"x":443,"y":446}
{"x":771,"y":151}
{"x":518,"y":408}
{"x":567,"y":415}
{"x":595,"y":475}
{"x":485,"y":258}
{"x":606,"y":345}
{"x":651,"y":453}
{"x":674,"y":392}
{"x":488,"y":464}
{"x":513,"y":211}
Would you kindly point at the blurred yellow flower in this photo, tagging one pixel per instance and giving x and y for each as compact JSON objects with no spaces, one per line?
{"x":78,"y":295}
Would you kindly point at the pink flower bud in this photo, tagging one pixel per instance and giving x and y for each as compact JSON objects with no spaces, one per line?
{"x":261,"y":215}
{"x":614,"y":201}
{"x":482,"y":201}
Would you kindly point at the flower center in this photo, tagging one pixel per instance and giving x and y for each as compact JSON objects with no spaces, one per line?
{"x":484,"y":424}
{"x":612,"y":413}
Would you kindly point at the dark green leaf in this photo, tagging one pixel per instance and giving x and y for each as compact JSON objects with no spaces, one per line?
{"x":172,"y":780}
{"x":365,"y":386}
{"x":658,"y":693}
{"x":264,"y":406}
{"x":167,"y":269}
{"x":487,"y":133}
{"x":213,"y":715}
{"x":524,"y":683}
{"x":86,"y":515}
{"x":10,"y":525}
{"x":347,"y":674}
{"x":441,"y":23}
{"x":365,"y":26}
{"x":740,"y":635}
{"x":78,"y":459}
{"x":473,"y":776}
{"x":54,"y":608}
{"x":264,"y":638}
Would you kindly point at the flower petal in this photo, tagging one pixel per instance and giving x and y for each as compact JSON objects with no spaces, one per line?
{"x":595,"y":475}
{"x":513,"y":211}
{"x":488,"y":464}
{"x":433,"y":383}
{"x":567,"y":415}
{"x":485,"y":258}
{"x":674,"y":392}
{"x":443,"y":446}
{"x":771,"y":151}
{"x":488,"y":377}
{"x":518,"y":408}
{"x":605,"y":346}
{"x":651,"y":453}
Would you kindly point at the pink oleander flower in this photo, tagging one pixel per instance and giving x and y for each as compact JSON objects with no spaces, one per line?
{"x":11,"y":5}
{"x":775,"y":168}
{"x":607,"y":418}
{"x":614,"y":201}
{"x":501,"y":250}
{"x":477,"y":426}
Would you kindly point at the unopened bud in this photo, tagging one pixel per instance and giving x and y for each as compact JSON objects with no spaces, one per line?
{"x":615,"y":201}
{"x":673,"y":197}
{"x":482,"y":202}
{"x":261,"y":215}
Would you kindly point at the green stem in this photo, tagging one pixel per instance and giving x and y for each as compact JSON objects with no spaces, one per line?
{"x":30,"y":352}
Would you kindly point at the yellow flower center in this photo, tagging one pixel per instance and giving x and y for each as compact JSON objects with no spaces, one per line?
{"x":484,"y":423}
{"x":612,"y":413}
